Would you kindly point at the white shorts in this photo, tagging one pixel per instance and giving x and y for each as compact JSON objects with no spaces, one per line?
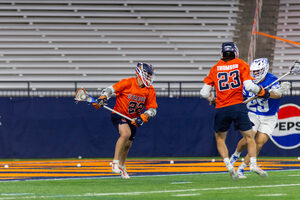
{"x":264,"y":124}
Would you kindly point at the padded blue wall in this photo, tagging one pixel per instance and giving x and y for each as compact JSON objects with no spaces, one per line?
{"x":57,"y":127}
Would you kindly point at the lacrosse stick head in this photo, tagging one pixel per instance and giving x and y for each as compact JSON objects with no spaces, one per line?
{"x":295,"y":68}
{"x":81,"y":95}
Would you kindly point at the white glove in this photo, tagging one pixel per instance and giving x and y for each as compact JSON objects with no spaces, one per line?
{"x":285,"y":87}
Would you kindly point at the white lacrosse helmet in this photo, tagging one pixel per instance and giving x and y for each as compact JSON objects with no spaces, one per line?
{"x":259,"y":69}
{"x":145,"y":72}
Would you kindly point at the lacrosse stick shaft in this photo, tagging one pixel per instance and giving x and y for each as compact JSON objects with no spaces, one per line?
{"x":90,"y":99}
{"x":254,"y":97}
{"x":112,"y":110}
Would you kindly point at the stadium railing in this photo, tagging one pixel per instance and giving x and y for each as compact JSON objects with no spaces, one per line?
{"x":171,"y":89}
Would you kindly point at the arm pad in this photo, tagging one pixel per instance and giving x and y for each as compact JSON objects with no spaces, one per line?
{"x":151,"y":112}
{"x":205,"y":91}
{"x":251,"y":87}
{"x":108,"y":91}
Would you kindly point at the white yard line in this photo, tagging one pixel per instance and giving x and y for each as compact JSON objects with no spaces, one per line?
{"x":185,"y":195}
{"x":174,"y":183}
{"x":148,"y":192}
{"x":270,"y":195}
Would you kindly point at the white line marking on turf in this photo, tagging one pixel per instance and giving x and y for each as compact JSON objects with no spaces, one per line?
{"x":270,"y":195}
{"x":15,"y":194}
{"x":180,"y":182}
{"x":185,"y":195}
{"x":148,"y":192}
{"x":294,"y":175}
{"x":192,"y":190}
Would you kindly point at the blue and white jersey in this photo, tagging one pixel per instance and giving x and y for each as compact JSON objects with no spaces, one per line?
{"x":260,"y":106}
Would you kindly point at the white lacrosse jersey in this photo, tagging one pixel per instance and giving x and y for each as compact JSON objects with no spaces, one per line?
{"x":260,"y":106}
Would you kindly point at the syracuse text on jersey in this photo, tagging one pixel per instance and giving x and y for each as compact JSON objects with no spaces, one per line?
{"x":136,"y":98}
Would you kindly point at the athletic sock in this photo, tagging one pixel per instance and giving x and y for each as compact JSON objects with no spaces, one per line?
{"x":116,"y":161}
{"x":227,"y":163}
{"x":237,"y":154}
{"x":242,"y":166}
{"x":252,"y":161}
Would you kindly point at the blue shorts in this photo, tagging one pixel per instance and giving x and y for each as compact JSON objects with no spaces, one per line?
{"x":238,"y":114}
{"x":117,"y":119}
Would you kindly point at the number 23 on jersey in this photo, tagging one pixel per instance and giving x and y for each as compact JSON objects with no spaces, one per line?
{"x":229,"y":80}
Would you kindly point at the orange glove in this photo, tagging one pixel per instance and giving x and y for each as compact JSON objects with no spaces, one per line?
{"x":263,"y":93}
{"x":139,"y":121}
{"x":101,"y":101}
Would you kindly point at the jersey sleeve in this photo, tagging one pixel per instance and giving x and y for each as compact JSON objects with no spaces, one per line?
{"x":121,"y":85}
{"x":209,"y":79}
{"x":245,"y":72}
{"x":151,"y":100}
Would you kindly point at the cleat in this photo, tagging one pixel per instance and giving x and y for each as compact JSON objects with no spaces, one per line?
{"x":232,"y":173}
{"x":233,"y":159}
{"x":258,"y":170}
{"x":240,"y":173}
{"x":124,"y":174}
{"x":115,"y":168}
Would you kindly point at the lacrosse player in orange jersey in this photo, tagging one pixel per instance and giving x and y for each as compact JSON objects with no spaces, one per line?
{"x":228,"y":77}
{"x":133,"y":95}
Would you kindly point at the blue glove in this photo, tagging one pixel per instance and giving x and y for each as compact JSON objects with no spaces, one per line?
{"x":139,"y":121}
{"x":100,"y":102}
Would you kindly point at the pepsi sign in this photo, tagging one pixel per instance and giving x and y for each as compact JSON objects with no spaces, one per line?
{"x":287,"y":131}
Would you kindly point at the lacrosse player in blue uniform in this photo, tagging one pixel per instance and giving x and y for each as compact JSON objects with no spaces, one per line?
{"x":262,"y":111}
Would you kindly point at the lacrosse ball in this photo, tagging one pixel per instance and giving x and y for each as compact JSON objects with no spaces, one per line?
{"x":83,"y":96}
{"x":242,"y":159}
{"x":172,"y":162}
{"x":298,"y":158}
{"x":5,"y":166}
{"x":213,"y":160}
{"x":78,"y":165}
{"x":79,"y":157}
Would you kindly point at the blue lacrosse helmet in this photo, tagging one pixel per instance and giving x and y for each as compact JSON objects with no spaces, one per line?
{"x":229,"y":49}
{"x":145,"y":72}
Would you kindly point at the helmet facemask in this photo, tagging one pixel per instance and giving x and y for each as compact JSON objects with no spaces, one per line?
{"x":259,"y":69}
{"x":145,"y":72}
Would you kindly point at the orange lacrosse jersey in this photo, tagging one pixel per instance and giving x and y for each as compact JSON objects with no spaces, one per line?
{"x":227,"y":78}
{"x":131,"y":99}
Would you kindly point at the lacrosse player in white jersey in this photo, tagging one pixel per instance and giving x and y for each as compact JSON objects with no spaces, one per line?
{"x":262,"y":111}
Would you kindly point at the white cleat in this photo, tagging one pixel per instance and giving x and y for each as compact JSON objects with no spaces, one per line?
{"x":232,"y":173}
{"x":240,"y":173}
{"x":258,"y":170}
{"x":115,"y":168}
{"x":124,"y":174}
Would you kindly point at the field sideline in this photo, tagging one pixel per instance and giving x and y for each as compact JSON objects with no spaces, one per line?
{"x":187,"y":178}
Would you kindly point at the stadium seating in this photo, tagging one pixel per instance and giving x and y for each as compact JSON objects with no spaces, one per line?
{"x":285,"y":54}
{"x":89,"y":40}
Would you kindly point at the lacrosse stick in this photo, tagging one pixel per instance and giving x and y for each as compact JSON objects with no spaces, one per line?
{"x":295,"y":69}
{"x":82,"y":95}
